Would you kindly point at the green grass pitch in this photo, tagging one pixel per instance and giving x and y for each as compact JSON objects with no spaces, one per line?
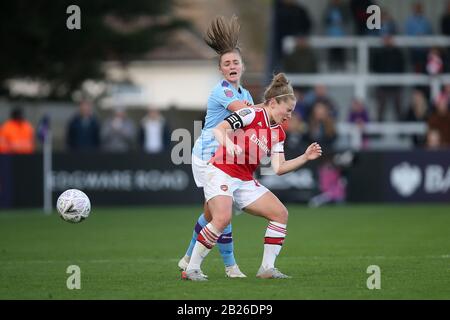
{"x":132,"y":253}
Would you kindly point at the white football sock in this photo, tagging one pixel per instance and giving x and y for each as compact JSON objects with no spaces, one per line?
{"x":206,"y":240}
{"x":273,"y":240}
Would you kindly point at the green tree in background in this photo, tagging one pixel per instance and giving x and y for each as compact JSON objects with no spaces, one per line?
{"x":37,"y":44}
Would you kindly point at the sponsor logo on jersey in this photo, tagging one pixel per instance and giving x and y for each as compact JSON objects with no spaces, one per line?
{"x":224,"y":187}
{"x":260,"y":143}
{"x":259,"y":123}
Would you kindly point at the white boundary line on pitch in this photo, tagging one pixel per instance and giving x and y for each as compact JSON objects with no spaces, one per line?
{"x":149,"y":260}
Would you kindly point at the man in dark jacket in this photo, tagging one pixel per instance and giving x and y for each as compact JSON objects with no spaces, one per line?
{"x":83,"y":131}
{"x":388,"y":59}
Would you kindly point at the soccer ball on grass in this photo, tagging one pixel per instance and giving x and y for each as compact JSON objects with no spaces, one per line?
{"x":73,"y":206}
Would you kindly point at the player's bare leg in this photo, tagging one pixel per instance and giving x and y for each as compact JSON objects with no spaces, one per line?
{"x":225,"y":245}
{"x":221,"y":211}
{"x":226,"y":248}
{"x":206,"y":212}
{"x":270,"y":207}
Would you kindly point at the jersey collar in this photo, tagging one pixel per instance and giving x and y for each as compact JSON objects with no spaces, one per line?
{"x":266,"y":117}
{"x":226,"y":84}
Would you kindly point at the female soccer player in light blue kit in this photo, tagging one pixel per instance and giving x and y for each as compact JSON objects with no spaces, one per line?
{"x":226,"y":97}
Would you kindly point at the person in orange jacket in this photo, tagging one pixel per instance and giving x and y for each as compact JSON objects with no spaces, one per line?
{"x":17,"y":134}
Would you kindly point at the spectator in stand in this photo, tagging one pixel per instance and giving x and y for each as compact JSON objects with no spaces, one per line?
{"x":418,"y":111}
{"x":445,"y":21}
{"x":300,"y":105}
{"x":358,"y":113}
{"x":335,"y":19}
{"x":321,"y":127}
{"x":358,"y":9}
{"x":319,"y":94}
{"x":302,"y":59}
{"x":445,"y":93}
{"x":433,"y":141}
{"x":387,"y":59}
{"x":435,"y":65}
{"x":295,"y":132}
{"x":440,"y":120}
{"x":292,"y":19}
{"x":154,"y":136}
{"x":17,"y":134}
{"x":418,"y":25}
{"x":297,"y":126}
{"x":118,"y":133}
{"x":388,"y":25}
{"x":359,"y":116}
{"x":83,"y":131}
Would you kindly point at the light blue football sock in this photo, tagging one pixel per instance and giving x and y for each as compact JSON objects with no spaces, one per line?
{"x":201,"y":222}
{"x":226,"y":246}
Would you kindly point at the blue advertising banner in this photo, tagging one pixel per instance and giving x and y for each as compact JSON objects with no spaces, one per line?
{"x":422,"y":176}
{"x":140,"y":179}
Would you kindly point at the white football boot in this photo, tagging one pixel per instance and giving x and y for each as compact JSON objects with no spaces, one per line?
{"x":194,"y":275}
{"x":234,"y":272}
{"x":184,"y":262}
{"x":272,"y":273}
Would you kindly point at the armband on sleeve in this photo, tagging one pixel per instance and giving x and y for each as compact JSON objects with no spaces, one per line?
{"x":241,"y":118}
{"x":235,"y":121}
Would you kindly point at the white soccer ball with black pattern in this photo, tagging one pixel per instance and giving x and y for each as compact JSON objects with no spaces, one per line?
{"x":73,"y":205}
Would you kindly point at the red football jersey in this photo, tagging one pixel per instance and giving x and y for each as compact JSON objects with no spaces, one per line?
{"x":256,"y":137}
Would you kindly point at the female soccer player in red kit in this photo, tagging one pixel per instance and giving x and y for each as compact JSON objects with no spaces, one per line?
{"x":257,"y":132}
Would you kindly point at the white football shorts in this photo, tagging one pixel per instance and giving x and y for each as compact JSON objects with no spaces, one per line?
{"x":243,"y":193}
{"x":199,"y":170}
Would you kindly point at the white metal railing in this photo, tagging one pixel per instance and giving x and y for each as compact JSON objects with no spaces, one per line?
{"x":369,"y":41}
{"x":384,"y":130}
{"x":362,"y":78}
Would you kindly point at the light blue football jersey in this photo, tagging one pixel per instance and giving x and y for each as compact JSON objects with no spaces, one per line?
{"x":220,"y":98}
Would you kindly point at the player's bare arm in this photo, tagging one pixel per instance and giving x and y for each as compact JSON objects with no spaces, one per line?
{"x":239,"y":104}
{"x":221,"y":134}
{"x":281,"y":166}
